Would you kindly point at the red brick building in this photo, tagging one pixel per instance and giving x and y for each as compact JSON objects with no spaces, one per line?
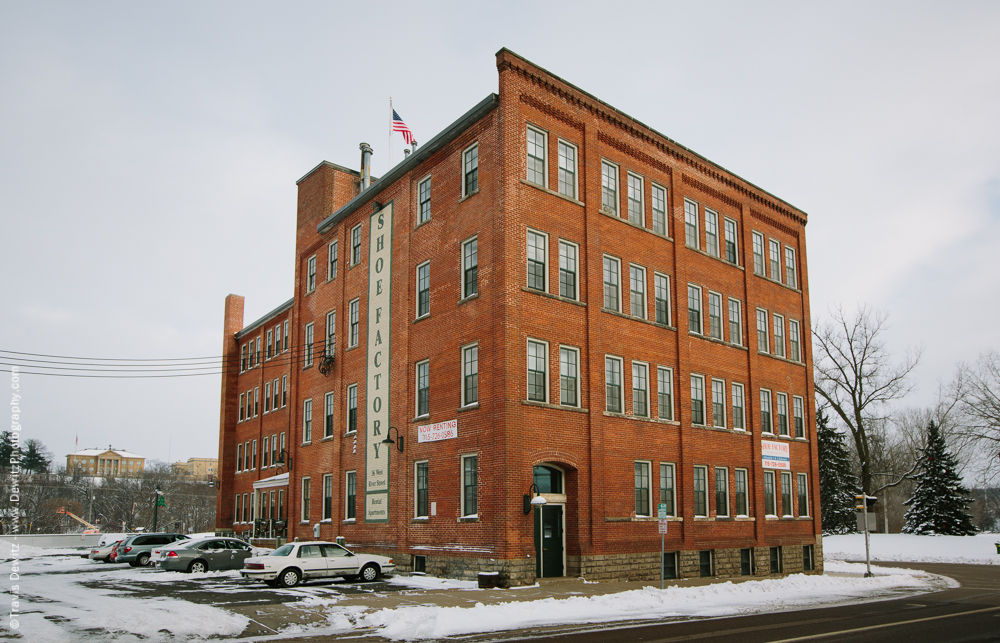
{"x":547,"y":293}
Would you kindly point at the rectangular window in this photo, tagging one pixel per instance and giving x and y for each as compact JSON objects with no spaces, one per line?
{"x":667,"y":488}
{"x":613,"y":384}
{"x":352,"y":335}
{"x":285,"y":332}
{"x":670,"y":564}
{"x":765,"y":411}
{"x":739,"y":423}
{"x":742,"y":502}
{"x":775,"y":560}
{"x":567,"y":169}
{"x":470,"y":485}
{"x":659,"y":210}
{"x":691,"y":223}
{"x":537,"y":370}
{"x":284,"y":391}
{"x":694,"y":309}
{"x":470,"y":375}
{"x":277,"y":339}
{"x":356,"y":245}
{"x":470,"y":171}
{"x":712,"y":232}
{"x":327,"y":496}
{"x":803,"y":489}
{"x":731,"y":246}
{"x":238,"y":510}
{"x":715,"y":315}
{"x":808,"y":564}
{"x":331,"y":253}
{"x":701,"y":491}
{"x":774,"y":259}
{"x":567,"y":270}
{"x":779,"y":335}
{"x":351,"y":488}
{"x":421,"y":505}
{"x":782,"y":414}
{"x":249,"y":413}
{"x":257,"y":356}
{"x":536,"y":156}
{"x":637,"y":291}
{"x":242,"y":406}
{"x":424,"y":198}
{"x":790,"y":278}
{"x":537,"y":254}
{"x":661,"y":295}
{"x":719,"y":403}
{"x":762,"y":343}
{"x":352,"y":408}
{"x":305,"y":500}
{"x":794,"y":347}
{"x":735,"y":322}
{"x":246,"y":455}
{"x":721,"y":492}
{"x":769,"y":507}
{"x":311,"y":274}
{"x":239,"y":458}
{"x":665,"y":393}
{"x":569,"y":376}
{"x":758,"y":254}
{"x":642,"y":507}
{"x":307,"y":412}
{"x":423,"y":289}
{"x":697,"y":399}
{"x":423,"y":388}
{"x":331,"y":332}
{"x":267,"y":346}
{"x":267,"y":397}
{"x":328,"y":415}
{"x":636,"y":212}
{"x":256,"y":401}
{"x":798,"y":414}
{"x":243,"y":358}
{"x":746,"y":562}
{"x":609,"y":188}
{"x":309,"y":345}
{"x":705,"y":563}
{"x":786,"y":493}
{"x":640,"y":389}
{"x":612,"y":284}
{"x":470,"y":267}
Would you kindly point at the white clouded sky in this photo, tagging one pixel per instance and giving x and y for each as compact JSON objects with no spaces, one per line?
{"x":149,"y":153}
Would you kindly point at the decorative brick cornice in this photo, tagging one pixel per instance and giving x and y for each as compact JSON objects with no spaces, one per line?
{"x":549,"y":110}
{"x":634,"y":152}
{"x":707,"y":189}
{"x":760,"y":216}
{"x":601,"y":110}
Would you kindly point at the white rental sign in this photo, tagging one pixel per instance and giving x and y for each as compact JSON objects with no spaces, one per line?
{"x":774,"y":455}
{"x":379,"y":358}
{"x":438,"y":431}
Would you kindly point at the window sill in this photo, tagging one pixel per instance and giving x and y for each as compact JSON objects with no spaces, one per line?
{"x":305,"y":368}
{"x":716,"y":257}
{"x":468,"y":298}
{"x":331,"y":279}
{"x":721,"y":429}
{"x":640,"y":519}
{"x":468,"y":407}
{"x":623,"y":416}
{"x":327,"y":438}
{"x":557,"y":407}
{"x":425,"y":416}
{"x":469,"y":519}
{"x":305,"y":444}
{"x":535,"y":291}
{"x":778,"y":283}
{"x":303,"y":522}
{"x":422,"y":318}
{"x":309,"y":292}
{"x":616,"y":313}
{"x":552,"y":192}
{"x":780,"y":359}
{"x":614,"y":215}
{"x":421,"y":224}
{"x":349,"y":521}
{"x":326,"y":521}
{"x":470,"y":194}
{"x":708,"y":338}
{"x":350,"y":433}
{"x":420,"y":520}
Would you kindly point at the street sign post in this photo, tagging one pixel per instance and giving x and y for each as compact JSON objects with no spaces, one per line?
{"x":661,"y":514}
{"x":863,"y":503}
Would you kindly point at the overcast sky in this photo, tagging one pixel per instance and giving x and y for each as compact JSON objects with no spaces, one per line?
{"x":149,"y":153}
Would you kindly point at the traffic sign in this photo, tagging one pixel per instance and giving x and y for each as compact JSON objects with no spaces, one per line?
{"x":663,"y":525}
{"x":662,"y":511}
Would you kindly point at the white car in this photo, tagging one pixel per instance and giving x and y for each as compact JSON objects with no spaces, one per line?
{"x":292,"y":563}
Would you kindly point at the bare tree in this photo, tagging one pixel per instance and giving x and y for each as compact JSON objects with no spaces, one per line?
{"x":978,"y":387}
{"x":858,"y":377}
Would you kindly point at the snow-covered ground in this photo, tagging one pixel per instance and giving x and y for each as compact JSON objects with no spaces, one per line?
{"x":963,"y":550}
{"x":64,"y":598}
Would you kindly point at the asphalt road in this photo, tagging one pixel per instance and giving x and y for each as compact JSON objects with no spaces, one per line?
{"x":967,"y":614}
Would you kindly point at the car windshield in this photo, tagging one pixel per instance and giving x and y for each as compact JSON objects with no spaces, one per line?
{"x":284,"y":550}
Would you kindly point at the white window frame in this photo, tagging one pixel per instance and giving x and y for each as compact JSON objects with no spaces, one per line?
{"x":735,"y":240}
{"x":794,"y":341}
{"x":307,"y":420}
{"x":701,"y":317}
{"x":798,"y":415}
{"x":267,"y":346}
{"x":759,"y":260}
{"x":243,"y":408}
{"x":305,"y":498}
{"x":310,"y":274}
{"x":576,"y":378}
{"x":267,"y":398}
{"x":672,"y":469}
{"x":545,"y":260}
{"x":768,"y":426}
{"x":632,"y":179}
{"x":575,"y":171}
{"x":351,"y":388}
{"x":331,"y":333}
{"x":329,"y":408}
{"x":738,"y":340}
{"x":711,"y":221}
{"x":746,"y":492}
{"x":353,"y":322}
{"x":648,"y":465}
{"x":356,"y":247}
{"x":694,"y":489}
{"x":607,"y":177}
{"x":763,"y":332}
{"x":286,"y":345}
{"x":256,"y":401}
{"x":575,"y":271}
{"x":326,"y":515}
{"x":720,"y":335}
{"x":791,"y":271}
{"x":416,"y":489}
{"x":661,"y":223}
{"x":739,"y":402}
{"x":284,"y":391}
{"x":545,"y":366}
{"x":461,"y":485}
{"x":787,"y":475}
{"x":465,"y":373}
{"x":778,"y":326}
{"x":421,"y":200}
{"x":669,"y":372}
{"x":781,"y":400}
{"x":644,"y":372}
{"x":691,"y":220}
{"x":657,"y":276}
{"x":704,"y":411}
{"x":632,"y":292}
{"x":463,"y":259}
{"x":544,"y":158}
{"x":719,"y":390}
{"x":621,"y":394}
{"x":347,"y":489}
{"x":423,"y":267}
{"x":614,"y":261}
{"x":728,"y":500}
{"x":416,"y":388}
{"x":332,"y":257}
{"x":802,"y":480}
{"x":466,"y":171}
{"x":239,"y":457}
{"x":774,"y":259}
{"x":771,"y":511}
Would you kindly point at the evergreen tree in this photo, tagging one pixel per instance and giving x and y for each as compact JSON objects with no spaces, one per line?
{"x":836,"y":483}
{"x":6,"y":449}
{"x":35,"y":457}
{"x":940,"y":504}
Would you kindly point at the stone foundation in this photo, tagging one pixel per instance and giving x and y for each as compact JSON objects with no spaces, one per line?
{"x":513,"y":573}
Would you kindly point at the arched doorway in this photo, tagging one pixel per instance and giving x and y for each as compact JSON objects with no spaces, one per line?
{"x":550,"y":521}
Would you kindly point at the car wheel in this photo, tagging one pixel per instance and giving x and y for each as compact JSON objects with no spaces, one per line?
{"x":369,"y":572}
{"x":289,"y":578}
{"x":142,"y":560}
{"x":197,"y":567}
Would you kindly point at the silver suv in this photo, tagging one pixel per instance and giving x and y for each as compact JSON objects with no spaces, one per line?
{"x":135,"y":550}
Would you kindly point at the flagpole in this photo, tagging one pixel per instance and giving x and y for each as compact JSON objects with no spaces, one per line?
{"x":389,"y":166}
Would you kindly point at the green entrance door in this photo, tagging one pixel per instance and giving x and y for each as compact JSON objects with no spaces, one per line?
{"x":549,"y":541}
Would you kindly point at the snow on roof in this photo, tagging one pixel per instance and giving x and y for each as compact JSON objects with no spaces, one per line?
{"x":123,"y":454}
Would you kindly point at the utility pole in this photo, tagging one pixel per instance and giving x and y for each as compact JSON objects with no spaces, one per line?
{"x":157,"y":503}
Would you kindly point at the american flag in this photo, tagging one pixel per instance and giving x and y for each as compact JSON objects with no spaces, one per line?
{"x":399,"y":126}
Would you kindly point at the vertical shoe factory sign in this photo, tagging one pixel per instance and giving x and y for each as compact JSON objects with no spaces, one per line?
{"x":379,"y":359}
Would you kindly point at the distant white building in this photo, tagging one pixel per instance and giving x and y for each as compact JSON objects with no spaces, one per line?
{"x":105,"y":462}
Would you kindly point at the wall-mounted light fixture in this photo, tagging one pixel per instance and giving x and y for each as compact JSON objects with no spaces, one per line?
{"x":388,"y":438}
{"x":536,"y":501}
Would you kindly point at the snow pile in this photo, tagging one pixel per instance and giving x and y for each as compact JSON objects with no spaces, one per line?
{"x":27,"y":551}
{"x":964,"y":550}
{"x":432,"y":582}
{"x":796,"y":591}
